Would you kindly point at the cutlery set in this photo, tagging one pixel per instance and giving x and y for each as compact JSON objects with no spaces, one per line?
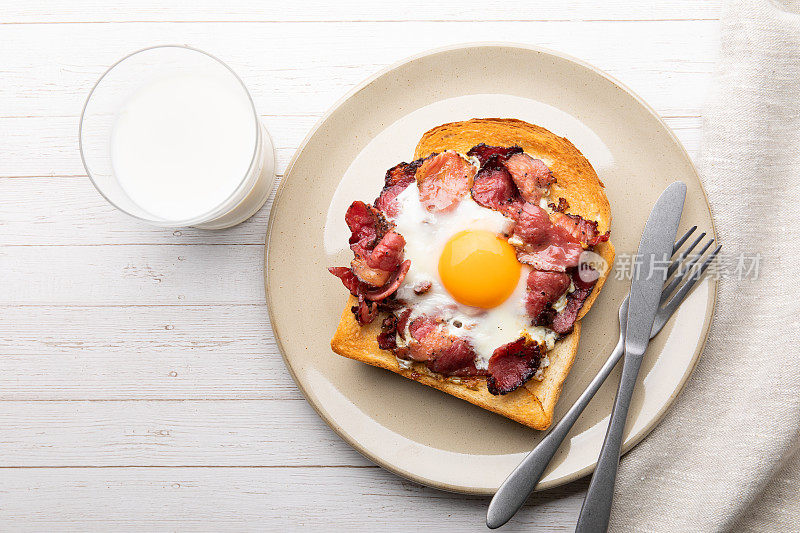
{"x":643,"y":313}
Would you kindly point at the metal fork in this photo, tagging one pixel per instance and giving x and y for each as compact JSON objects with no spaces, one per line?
{"x":515,"y":490}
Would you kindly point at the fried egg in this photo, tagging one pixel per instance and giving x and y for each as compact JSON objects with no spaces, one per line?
{"x":477,"y":285}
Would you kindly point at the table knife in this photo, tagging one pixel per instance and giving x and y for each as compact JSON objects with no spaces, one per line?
{"x":650,"y":273}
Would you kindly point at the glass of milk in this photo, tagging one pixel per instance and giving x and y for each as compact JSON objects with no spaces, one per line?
{"x":170,"y":135}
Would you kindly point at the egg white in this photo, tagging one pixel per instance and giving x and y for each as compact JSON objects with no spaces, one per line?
{"x":426,"y":235}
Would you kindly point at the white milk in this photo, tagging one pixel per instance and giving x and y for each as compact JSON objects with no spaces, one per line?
{"x":182,"y":145}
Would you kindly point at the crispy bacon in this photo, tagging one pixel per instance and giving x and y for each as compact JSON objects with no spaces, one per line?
{"x":372,"y":277}
{"x":422,"y":287}
{"x":442,"y":352}
{"x":457,"y":358}
{"x":553,"y":257}
{"x":561,"y":207}
{"x":388,"y":253}
{"x":544,"y":288}
{"x":469,"y":371}
{"x":533,"y":225}
{"x":494,"y":188}
{"x":512,"y":364}
{"x":391,"y":285}
{"x":365,"y":311}
{"x":544,"y":246}
{"x":581,"y":230}
{"x":562,"y":323}
{"x":531,"y":176}
{"x":377,"y":250}
{"x":430,"y":338}
{"x":369,"y":297}
{"x":377,"y":269}
{"x":366,"y":225}
{"x":349,"y":279}
{"x":484,"y":152}
{"x":397,"y":179}
{"x":387,"y":338}
{"x":443,"y":179}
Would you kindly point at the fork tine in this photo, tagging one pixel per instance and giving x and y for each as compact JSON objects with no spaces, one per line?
{"x":682,"y":273}
{"x":692,"y":278}
{"x":682,"y":240}
{"x":683,"y":254}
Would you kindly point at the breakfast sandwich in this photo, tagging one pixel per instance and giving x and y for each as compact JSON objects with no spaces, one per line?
{"x":475,"y":264}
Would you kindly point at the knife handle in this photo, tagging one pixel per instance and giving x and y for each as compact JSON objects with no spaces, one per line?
{"x":596,"y":509}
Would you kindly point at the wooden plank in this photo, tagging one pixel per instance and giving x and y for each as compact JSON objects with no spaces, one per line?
{"x":62,"y":211}
{"x":118,"y":353}
{"x":124,"y":331}
{"x":68,"y":211}
{"x":347,"y":10}
{"x":169,"y":433}
{"x":274,"y":499}
{"x":165,"y":374}
{"x":132,"y":275}
{"x":667,"y":62}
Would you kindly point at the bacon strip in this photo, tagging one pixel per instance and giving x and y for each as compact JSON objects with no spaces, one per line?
{"x":544,"y":288}
{"x":458,"y":358}
{"x":430,"y":338}
{"x":377,"y":250}
{"x":366,"y":225}
{"x":444,"y":179}
{"x":531,"y":176}
{"x":377,"y":269}
{"x":387,"y":338}
{"x":397,"y":179}
{"x":372,"y":277}
{"x":544,"y":246}
{"x":564,"y":321}
{"x":484,"y":152}
{"x":581,"y":230}
{"x":402,"y":321}
{"x":494,"y":188}
{"x":349,"y":279}
{"x":553,"y":257}
{"x":442,"y":352}
{"x":533,"y":225}
{"x":381,"y":293}
{"x":512,"y":364}
{"x":388,"y":253}
{"x":365,"y":311}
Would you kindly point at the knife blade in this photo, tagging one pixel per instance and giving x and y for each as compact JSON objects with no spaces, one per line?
{"x":649,"y":277}
{"x":655,"y":249}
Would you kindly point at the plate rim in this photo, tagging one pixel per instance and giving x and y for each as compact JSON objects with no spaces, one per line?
{"x":635,"y":439}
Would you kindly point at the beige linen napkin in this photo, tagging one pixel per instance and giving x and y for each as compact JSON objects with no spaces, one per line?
{"x":724,"y":457}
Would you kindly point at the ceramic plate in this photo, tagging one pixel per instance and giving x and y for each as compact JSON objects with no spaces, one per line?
{"x":414,"y":430}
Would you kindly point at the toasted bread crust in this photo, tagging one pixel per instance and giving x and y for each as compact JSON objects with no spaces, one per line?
{"x":532,"y":404}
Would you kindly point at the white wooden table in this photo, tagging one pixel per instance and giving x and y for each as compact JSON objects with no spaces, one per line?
{"x":140,"y":386}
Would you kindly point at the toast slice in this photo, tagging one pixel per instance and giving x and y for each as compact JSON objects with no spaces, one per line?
{"x":533,"y":403}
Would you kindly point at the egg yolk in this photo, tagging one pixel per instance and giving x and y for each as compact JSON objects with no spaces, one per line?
{"x":478,"y":268}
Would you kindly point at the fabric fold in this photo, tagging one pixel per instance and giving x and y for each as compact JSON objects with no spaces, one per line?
{"x":725,"y":456}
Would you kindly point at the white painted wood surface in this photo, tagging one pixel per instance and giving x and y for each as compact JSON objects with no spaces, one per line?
{"x":140,"y":387}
